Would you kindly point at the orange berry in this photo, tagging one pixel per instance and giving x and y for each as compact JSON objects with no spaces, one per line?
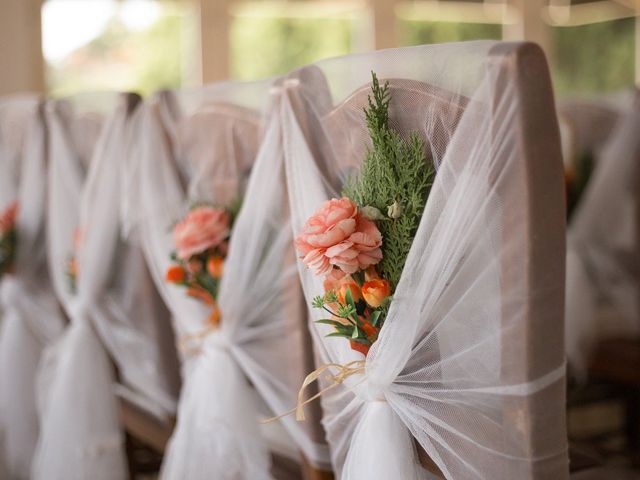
{"x":376,"y":291}
{"x":215,"y":266}
{"x":201,"y":294}
{"x":369,"y":330}
{"x":359,"y":347}
{"x":214,"y":317}
{"x":73,"y":267}
{"x":175,"y":274}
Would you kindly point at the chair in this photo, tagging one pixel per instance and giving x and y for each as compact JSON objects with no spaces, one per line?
{"x":30,"y":317}
{"x":585,"y":127}
{"x":101,"y":281}
{"x":201,"y":145}
{"x":467,"y":101}
{"x":602,"y":313}
{"x":588,"y":124}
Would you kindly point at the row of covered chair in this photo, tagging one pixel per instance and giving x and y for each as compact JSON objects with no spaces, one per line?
{"x":106,"y":366}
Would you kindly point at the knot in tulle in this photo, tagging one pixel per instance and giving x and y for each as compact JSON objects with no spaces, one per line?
{"x":216,"y":341}
{"x":368,"y":391}
{"x":10,"y":290}
{"x":78,"y":310}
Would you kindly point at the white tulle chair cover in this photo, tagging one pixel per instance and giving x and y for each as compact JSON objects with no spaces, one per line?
{"x":29,"y":305}
{"x":603,"y":276}
{"x":449,"y":367}
{"x":15,"y":114}
{"x":112,"y":308}
{"x":200,"y":145}
{"x":585,"y":127}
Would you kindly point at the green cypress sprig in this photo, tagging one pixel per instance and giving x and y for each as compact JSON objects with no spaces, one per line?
{"x":395,"y":172}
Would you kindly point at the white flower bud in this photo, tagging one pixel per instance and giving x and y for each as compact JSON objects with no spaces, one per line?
{"x":394,"y":210}
{"x":371,"y":213}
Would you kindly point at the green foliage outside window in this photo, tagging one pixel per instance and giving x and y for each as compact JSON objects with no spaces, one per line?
{"x":594,"y":58}
{"x":418,"y":32}
{"x":587,"y":59}
{"x":263,"y":46}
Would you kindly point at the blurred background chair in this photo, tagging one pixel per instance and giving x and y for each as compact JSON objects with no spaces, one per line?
{"x":603,"y":281}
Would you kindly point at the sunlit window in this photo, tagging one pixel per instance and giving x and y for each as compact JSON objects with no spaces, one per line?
{"x":137,"y":45}
{"x":267,"y":39}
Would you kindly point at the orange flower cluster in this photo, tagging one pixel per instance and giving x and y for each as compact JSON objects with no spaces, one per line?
{"x":8,"y":237}
{"x":343,"y":246}
{"x":201,"y":282}
{"x":201,"y":240}
{"x":72,"y":267}
{"x":367,"y":297}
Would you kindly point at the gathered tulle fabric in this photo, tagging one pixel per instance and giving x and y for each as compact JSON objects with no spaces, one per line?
{"x":200,"y":146}
{"x":31,"y":318}
{"x":603,"y":246}
{"x":116,"y":319}
{"x":470,"y":360}
{"x":80,"y":434}
{"x":16,"y":113}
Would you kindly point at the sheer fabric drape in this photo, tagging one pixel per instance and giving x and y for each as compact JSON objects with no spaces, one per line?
{"x":199,"y":146}
{"x":112,"y":309}
{"x":448,"y":368}
{"x":603,"y":277}
{"x":30,"y":321}
{"x":585,"y":127}
{"x":15,"y":114}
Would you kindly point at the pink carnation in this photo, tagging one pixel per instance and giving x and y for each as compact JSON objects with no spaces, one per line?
{"x":202,"y":228}
{"x":8,"y":218}
{"x":337,"y":236}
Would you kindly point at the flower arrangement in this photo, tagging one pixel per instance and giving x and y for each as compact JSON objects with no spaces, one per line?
{"x":201,"y":239}
{"x":8,"y":237}
{"x":71,"y":266}
{"x":359,"y":243}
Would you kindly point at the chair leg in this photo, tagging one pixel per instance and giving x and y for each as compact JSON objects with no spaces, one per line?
{"x":131,"y":464}
{"x":632,"y":426}
{"x":309,"y":472}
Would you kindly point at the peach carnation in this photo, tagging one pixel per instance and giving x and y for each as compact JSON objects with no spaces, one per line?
{"x":202,"y":228}
{"x":337,"y":236}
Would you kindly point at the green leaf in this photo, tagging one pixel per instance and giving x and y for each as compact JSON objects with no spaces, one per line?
{"x":358,"y":277}
{"x":356,"y":332}
{"x":353,"y":308}
{"x":333,"y":323}
{"x":375,"y":316}
{"x":338,"y":334}
{"x":349,"y":298}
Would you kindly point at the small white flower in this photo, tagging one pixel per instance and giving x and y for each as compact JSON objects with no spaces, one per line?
{"x":394,"y":210}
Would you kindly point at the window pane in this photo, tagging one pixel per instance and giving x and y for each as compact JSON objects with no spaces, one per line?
{"x":594,"y":58}
{"x":138,"y":45}
{"x":267,"y":41}
{"x":417,"y":32}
